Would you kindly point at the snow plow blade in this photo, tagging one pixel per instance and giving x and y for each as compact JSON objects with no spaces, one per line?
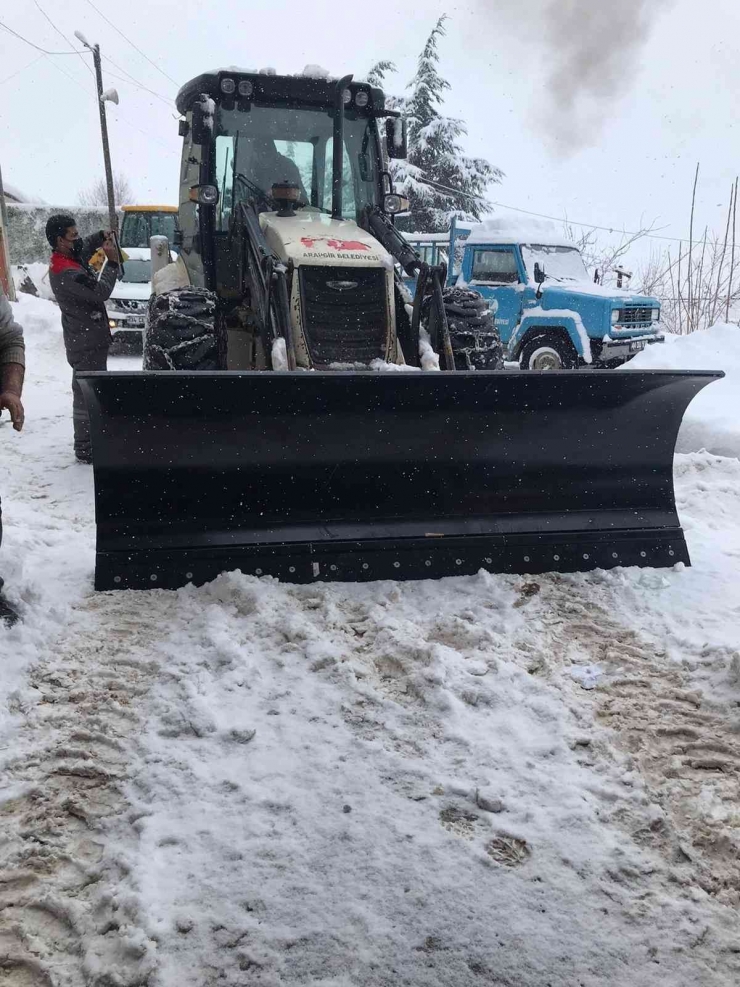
{"x":361,"y":476}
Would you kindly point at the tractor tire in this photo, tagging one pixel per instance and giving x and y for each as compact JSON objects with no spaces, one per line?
{"x":476,"y":344}
{"x":548,"y":351}
{"x":183,"y":332}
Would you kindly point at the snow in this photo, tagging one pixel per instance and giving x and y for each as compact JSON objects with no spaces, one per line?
{"x":279,"y":354}
{"x":429,"y":359}
{"x":171,"y":276}
{"x":13,"y":192}
{"x":38,"y":272}
{"x":713,"y":419}
{"x":315,"y":72}
{"x":397,"y":125}
{"x":488,"y":779}
{"x":510,"y":230}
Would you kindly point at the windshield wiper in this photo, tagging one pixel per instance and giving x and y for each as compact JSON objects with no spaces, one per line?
{"x":255,"y":189}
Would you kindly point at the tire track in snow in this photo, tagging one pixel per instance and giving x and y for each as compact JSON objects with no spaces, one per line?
{"x":65,"y":823}
{"x":684,"y":745}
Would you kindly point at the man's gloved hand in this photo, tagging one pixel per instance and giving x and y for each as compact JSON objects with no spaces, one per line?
{"x":14,"y":405}
{"x":110,"y":249}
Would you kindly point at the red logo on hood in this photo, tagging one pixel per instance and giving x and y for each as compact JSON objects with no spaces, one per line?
{"x":311,"y":241}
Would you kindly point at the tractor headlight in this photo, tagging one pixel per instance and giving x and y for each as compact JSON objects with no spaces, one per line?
{"x":615,"y":316}
{"x":246,"y":87}
{"x":655,"y":314}
{"x":347,"y":96}
{"x":362,"y":98}
{"x":393,"y":204}
{"x":206,"y":195}
{"x":228,"y":86}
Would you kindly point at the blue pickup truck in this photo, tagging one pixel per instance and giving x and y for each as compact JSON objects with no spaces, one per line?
{"x":549,"y":313}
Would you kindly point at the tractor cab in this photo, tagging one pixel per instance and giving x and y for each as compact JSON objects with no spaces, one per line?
{"x":141,"y":223}
{"x":247,"y":132}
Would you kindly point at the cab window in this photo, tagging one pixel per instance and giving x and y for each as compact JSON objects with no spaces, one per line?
{"x":495,"y":266}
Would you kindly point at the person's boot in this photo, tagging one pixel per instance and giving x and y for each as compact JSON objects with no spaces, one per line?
{"x":8,"y":615}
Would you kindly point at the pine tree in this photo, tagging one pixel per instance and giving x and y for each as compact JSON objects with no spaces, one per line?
{"x":437,"y":178}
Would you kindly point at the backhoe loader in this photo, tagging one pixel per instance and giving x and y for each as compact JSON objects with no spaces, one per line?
{"x":299,"y":416}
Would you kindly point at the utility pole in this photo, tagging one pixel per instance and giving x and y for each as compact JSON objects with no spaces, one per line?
{"x":5,"y":278}
{"x":112,"y":96}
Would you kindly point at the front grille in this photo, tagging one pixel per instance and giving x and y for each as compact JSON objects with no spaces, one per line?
{"x":128,"y":305}
{"x":345,"y":315}
{"x":634,"y":316}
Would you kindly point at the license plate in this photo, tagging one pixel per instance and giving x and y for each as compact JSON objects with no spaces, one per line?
{"x":135,"y":321}
{"x":637,"y":346}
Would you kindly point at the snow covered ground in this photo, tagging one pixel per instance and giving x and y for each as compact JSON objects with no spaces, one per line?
{"x":491,"y":780}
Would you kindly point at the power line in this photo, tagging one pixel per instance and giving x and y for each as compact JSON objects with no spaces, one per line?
{"x":43,"y":50}
{"x":541,"y":215}
{"x":18,"y":72}
{"x":143,"y":54}
{"x":62,"y":36}
{"x":135,"y":82}
{"x":120,"y":116}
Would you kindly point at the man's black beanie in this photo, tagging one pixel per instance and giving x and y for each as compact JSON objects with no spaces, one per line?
{"x":57,"y":226}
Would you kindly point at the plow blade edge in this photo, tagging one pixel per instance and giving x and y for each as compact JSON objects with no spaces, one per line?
{"x":354,"y":476}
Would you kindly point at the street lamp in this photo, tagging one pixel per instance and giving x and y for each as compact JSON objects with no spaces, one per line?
{"x":109,"y":96}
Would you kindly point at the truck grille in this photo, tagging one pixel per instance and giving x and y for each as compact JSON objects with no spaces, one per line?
{"x":345,"y":315}
{"x":635,"y":316}
{"x":128,"y":304}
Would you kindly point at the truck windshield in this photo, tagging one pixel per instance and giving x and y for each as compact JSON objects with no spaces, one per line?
{"x":139,"y":226}
{"x":137,"y":271}
{"x":559,"y":263}
{"x":274,"y":144}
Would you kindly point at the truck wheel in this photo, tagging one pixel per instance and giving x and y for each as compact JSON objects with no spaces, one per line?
{"x":476,"y":344}
{"x":548,"y":351}
{"x":183,"y":332}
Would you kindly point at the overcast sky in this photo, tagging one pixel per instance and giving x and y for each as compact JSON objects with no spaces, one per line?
{"x":523,"y":77}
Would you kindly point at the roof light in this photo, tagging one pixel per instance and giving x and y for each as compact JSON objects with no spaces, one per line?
{"x":246,"y":87}
{"x":362,"y":98}
{"x":228,"y":86}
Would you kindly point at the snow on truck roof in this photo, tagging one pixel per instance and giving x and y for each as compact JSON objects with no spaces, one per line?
{"x":499,"y":231}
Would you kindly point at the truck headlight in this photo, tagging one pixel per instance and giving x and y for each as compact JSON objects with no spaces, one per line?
{"x":615,"y":316}
{"x":655,"y":314}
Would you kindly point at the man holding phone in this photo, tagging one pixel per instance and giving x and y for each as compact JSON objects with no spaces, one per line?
{"x":81,"y":296}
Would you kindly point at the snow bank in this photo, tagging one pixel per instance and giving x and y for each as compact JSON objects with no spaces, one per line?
{"x":712,"y":421}
{"x":38,"y":273}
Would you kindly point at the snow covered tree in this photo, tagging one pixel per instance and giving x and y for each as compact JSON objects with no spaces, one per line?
{"x":437,"y":178}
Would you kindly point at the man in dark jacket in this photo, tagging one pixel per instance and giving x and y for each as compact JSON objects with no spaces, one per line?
{"x":81,"y":296}
{"x":12,"y":364}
